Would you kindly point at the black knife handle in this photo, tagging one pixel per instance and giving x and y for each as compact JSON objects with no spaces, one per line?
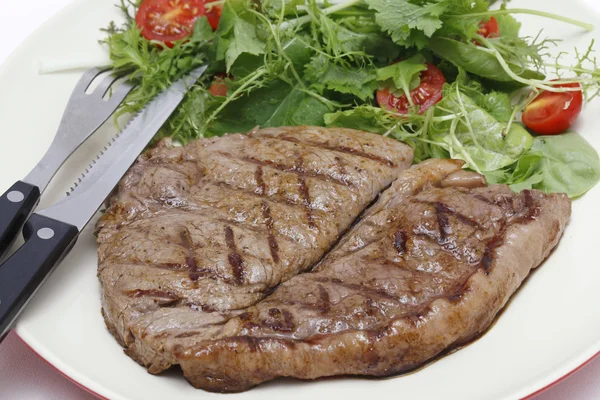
{"x":15,"y":206}
{"x":47,"y":241}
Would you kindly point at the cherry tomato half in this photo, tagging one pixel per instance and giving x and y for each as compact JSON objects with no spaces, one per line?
{"x":171,"y":20}
{"x":489,"y":28}
{"x":428,"y":93}
{"x":551,"y":113}
{"x":218,"y":86}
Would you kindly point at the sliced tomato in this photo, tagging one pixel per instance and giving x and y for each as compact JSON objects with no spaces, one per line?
{"x":428,"y":93}
{"x":489,"y":28}
{"x":214,"y":16}
{"x":551,"y":113}
{"x":171,"y":20}
{"x":218,"y":86}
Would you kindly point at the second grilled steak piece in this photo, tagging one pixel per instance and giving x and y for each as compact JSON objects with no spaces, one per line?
{"x":196,"y":234}
{"x":426,"y":269}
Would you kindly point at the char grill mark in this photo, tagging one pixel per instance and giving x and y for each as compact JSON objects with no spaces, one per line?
{"x":264,"y":195}
{"x":324,"y":305}
{"x":340,"y":149}
{"x":161,"y":297}
{"x":400,"y":238}
{"x":532,"y":211}
{"x":442,"y":218}
{"x":260,"y":183}
{"x":488,"y":256}
{"x":235,"y":259}
{"x":382,"y":294}
{"x":279,"y":320}
{"x":307,"y":203}
{"x":290,"y":168}
{"x":273,"y":246}
{"x":190,"y":260}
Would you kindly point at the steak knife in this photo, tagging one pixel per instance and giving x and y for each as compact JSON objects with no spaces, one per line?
{"x":51,"y":233}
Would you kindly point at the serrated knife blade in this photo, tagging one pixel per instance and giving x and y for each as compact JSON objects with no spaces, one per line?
{"x":103,"y":175}
{"x":52,"y":232}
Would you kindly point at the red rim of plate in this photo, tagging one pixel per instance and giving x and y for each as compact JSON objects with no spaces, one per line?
{"x":90,"y":391}
{"x":529,"y":397}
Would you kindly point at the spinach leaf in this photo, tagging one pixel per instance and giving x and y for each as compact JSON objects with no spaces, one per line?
{"x":568,"y":163}
{"x":404,"y":75}
{"x":555,"y":164}
{"x":295,"y":48}
{"x":372,"y":44}
{"x":277,"y":104}
{"x":237,"y":32}
{"x":476,"y":61}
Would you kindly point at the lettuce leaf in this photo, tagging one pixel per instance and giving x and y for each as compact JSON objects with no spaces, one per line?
{"x":475,"y":136}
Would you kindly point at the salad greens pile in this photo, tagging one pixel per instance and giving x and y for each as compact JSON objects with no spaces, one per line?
{"x":309,"y":62}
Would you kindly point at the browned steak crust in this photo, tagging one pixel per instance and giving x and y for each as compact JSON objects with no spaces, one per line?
{"x":197,"y":234}
{"x":427,"y":269}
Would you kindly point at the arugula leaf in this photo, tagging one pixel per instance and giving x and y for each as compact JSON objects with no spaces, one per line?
{"x":465,"y":28}
{"x":404,"y":75}
{"x":409,"y":23}
{"x":237,"y":32}
{"x":273,"y":7}
{"x":567,"y":164}
{"x":325,"y":74}
{"x":509,"y":26}
{"x":527,"y":173}
{"x":365,"y":117}
{"x":154,"y":68}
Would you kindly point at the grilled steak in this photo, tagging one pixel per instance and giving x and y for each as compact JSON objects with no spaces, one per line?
{"x":196,"y":234}
{"x":426,"y":269}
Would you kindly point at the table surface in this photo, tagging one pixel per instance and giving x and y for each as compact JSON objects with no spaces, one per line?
{"x":25,"y":376}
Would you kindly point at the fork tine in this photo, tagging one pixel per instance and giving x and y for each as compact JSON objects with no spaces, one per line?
{"x":105,"y":84}
{"x":87,"y":78}
{"x":120,"y":93}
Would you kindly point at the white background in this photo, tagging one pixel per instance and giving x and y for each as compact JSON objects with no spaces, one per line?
{"x":24,"y":376}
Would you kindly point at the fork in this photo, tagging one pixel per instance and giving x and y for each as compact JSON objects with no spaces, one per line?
{"x":84,"y":114}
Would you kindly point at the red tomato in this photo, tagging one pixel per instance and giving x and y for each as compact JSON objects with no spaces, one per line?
{"x":551,"y":113}
{"x":218,"y":86}
{"x":428,"y":93}
{"x":489,"y":28}
{"x":171,"y":20}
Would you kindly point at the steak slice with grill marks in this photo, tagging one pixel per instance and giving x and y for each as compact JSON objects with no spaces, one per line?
{"x":196,"y":234}
{"x":426,"y":269}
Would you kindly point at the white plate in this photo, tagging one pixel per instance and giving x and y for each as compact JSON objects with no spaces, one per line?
{"x":551,"y":327}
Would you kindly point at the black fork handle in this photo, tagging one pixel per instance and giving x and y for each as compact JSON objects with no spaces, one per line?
{"x":47,"y":242}
{"x":16,"y":204}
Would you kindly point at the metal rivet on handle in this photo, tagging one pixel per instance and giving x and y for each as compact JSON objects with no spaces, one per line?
{"x":45,"y":233}
{"x":15,"y":196}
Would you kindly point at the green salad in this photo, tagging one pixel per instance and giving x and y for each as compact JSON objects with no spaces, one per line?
{"x":452,"y":78}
